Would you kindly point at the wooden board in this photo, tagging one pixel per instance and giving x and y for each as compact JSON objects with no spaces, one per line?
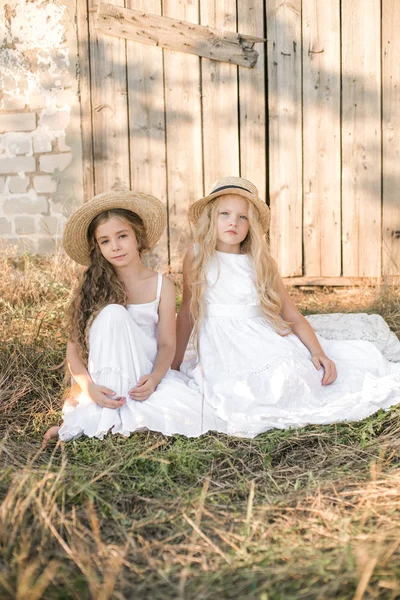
{"x":85,"y":100}
{"x":321,"y":137}
{"x":109,"y":102}
{"x":340,"y":281}
{"x":220,"y":100}
{"x":391,"y":136}
{"x":252,"y":109}
{"x":285,"y":133}
{"x":180,"y":35}
{"x":361,"y":138}
{"x":183,"y":126}
{"x":147,"y":125}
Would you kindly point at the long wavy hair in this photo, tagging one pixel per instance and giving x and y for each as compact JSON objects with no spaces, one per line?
{"x":256,"y":246}
{"x":99,"y":284}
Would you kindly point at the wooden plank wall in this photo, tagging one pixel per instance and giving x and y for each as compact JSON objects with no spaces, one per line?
{"x":391,"y":137}
{"x":315,"y":125}
{"x":321,"y":138}
{"x":285,"y":133}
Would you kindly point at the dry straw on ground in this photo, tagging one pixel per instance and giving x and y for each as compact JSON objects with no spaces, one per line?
{"x":306,"y":514}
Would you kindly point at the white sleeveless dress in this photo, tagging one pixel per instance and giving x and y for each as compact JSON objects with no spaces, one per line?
{"x":254,"y":379}
{"x":123,"y":347}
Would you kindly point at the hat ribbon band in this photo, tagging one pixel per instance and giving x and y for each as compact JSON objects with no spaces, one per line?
{"x":227,"y":187}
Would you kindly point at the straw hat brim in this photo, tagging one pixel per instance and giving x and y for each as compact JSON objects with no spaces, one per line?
{"x":197,"y":207}
{"x":148,"y":208}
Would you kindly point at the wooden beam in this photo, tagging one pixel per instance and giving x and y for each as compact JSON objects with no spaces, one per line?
{"x":173,"y":34}
{"x":341,"y":281}
{"x":183,"y":125}
{"x":109,"y":110}
{"x":147,"y":138}
{"x":285,"y":134}
{"x":361,"y":138}
{"x":321,"y":138}
{"x":391,"y":136}
{"x":219,"y":94}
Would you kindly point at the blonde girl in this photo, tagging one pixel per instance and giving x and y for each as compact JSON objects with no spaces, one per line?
{"x":259,"y":364}
{"x":122,"y":325}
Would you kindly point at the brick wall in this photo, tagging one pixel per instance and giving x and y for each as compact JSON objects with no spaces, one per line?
{"x":40,"y":143}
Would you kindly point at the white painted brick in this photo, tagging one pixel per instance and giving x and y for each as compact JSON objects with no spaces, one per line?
{"x":48,"y":245}
{"x":9,"y":83}
{"x":66,"y":97}
{"x":62,"y":146}
{"x":37,"y":101}
{"x":18,"y":185}
{"x":13,"y":102}
{"x":17,"y":122}
{"x":56,"y":121}
{"x":17,"y":164}
{"x":51,"y":225}
{"x":20,"y":145}
{"x":42,"y":142}
{"x":44,"y":184}
{"x":20,"y":205}
{"x":24,"y":225}
{"x":54,"y":162}
{"x":56,"y":208}
{"x":5,"y":226}
{"x":2,"y":184}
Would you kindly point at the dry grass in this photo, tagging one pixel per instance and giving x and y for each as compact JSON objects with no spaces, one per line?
{"x":306,"y":514}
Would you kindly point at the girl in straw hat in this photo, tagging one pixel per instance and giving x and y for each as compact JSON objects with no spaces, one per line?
{"x":122,"y":325}
{"x":259,"y":363}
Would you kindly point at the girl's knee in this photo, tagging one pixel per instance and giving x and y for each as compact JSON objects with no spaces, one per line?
{"x":114,"y":314}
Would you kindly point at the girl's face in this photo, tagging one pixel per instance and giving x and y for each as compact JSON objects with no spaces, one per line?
{"x":232,"y":223}
{"x":117,"y":242}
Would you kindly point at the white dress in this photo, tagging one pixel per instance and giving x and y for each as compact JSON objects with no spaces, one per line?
{"x":254,"y":379}
{"x":122,"y":348}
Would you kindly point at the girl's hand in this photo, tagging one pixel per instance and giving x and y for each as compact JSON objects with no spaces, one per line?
{"x":101,"y":396}
{"x":330,"y":373}
{"x":144,"y":388}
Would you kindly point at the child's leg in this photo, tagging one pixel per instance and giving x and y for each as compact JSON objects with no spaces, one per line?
{"x":117,"y":359}
{"x":118,"y":350}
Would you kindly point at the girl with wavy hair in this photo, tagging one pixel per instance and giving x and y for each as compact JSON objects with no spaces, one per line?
{"x":121,"y":325}
{"x":258,"y":361}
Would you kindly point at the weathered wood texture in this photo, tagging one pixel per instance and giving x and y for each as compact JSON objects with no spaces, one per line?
{"x":252,"y":102}
{"x":174,"y":34}
{"x":285,"y":133}
{"x":321,"y":137}
{"x":171,"y":123}
{"x":341,"y":281}
{"x":109,"y":109}
{"x":361,"y":138}
{"x":85,"y":97}
{"x":146,"y":110}
{"x":220,"y":101}
{"x":391,"y":136}
{"x":184,"y":142}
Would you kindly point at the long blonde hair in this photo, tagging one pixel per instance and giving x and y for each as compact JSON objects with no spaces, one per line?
{"x":99,"y":284}
{"x":255,"y":246}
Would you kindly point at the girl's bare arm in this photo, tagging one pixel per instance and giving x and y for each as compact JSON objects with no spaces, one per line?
{"x":302,"y":328}
{"x":184,"y":324}
{"x":166,"y":343}
{"x":166,"y":335}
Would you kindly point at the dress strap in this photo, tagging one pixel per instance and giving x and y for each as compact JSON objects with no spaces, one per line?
{"x":159,"y":286}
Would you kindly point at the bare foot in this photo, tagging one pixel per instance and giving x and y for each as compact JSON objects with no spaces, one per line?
{"x":49,"y":435}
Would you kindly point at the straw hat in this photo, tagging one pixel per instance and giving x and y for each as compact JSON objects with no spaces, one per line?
{"x":232,"y":185}
{"x":148,"y":208}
